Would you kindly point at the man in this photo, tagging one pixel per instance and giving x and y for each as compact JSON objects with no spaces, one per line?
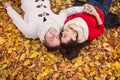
{"x":39,"y":21}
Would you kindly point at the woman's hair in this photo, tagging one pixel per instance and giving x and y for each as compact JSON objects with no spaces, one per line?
{"x":71,"y":49}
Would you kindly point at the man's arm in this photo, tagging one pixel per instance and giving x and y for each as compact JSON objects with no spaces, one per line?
{"x":73,"y":10}
{"x":18,"y":20}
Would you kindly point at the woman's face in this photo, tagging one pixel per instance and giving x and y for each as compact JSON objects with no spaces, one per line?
{"x":67,"y":35}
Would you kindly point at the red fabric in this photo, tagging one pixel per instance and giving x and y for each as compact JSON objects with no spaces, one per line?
{"x":95,"y":30}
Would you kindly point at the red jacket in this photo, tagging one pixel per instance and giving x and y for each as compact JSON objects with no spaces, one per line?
{"x":95,"y":30}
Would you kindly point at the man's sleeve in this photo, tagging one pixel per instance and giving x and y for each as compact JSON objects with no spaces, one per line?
{"x":18,"y":21}
{"x":74,"y":10}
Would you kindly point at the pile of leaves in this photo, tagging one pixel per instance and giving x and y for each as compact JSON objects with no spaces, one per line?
{"x":28,"y":59}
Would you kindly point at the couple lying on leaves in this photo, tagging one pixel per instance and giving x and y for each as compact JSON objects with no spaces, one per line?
{"x":78,"y":25}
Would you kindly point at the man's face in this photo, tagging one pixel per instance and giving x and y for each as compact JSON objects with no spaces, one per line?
{"x":52,"y":37}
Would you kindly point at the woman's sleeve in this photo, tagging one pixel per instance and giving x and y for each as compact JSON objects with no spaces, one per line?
{"x":99,"y":30}
{"x":96,"y":32}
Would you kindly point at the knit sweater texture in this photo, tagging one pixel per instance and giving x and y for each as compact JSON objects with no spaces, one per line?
{"x":37,"y":17}
{"x":95,"y":30}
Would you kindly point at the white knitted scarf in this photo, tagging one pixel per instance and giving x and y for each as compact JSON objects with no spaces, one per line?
{"x":80,"y":26}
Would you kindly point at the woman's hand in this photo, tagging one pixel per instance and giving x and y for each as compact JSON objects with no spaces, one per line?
{"x":89,"y":9}
{"x":6,"y":4}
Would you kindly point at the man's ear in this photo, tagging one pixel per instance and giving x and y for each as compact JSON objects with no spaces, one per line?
{"x":44,"y":41}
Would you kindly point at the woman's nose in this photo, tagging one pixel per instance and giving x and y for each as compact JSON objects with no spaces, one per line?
{"x":63,"y":32}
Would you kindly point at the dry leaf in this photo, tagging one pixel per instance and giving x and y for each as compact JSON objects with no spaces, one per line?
{"x":1,"y":40}
{"x":26,"y":63}
{"x":35,"y":54}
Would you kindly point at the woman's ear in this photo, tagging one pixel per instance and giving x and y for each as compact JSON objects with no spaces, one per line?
{"x":74,"y":36}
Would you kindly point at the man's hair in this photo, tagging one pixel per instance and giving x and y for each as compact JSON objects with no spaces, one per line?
{"x":51,"y":48}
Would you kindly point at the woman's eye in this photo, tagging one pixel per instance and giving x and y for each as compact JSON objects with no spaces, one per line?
{"x":64,"y":36}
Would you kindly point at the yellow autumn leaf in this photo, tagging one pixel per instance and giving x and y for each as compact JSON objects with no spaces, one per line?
{"x":39,"y":76}
{"x":58,"y":2}
{"x":1,"y":40}
{"x":92,"y":73}
{"x":35,"y":54}
{"x":92,"y":64}
{"x":42,"y":58}
{"x":27,"y":62}
{"x":105,"y":44}
{"x":87,"y":59}
{"x":107,"y":47}
{"x":55,"y":67}
{"x":46,"y":71}
{"x":108,"y":65}
{"x":4,"y":66}
{"x":26,"y":43}
{"x":1,"y":22}
{"x":117,"y":66}
{"x":56,"y":75}
{"x":22,"y":57}
{"x":21,"y":76}
{"x":14,"y":73}
{"x":112,"y":78}
{"x":9,"y":27}
{"x":79,"y":61}
{"x":10,"y":50}
{"x":51,"y":56}
{"x":116,"y":34}
{"x":98,"y":78}
{"x":79,"y":69}
{"x":97,"y":57}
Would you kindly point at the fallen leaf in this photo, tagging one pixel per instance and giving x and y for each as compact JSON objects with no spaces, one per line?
{"x":26,"y":63}
{"x":35,"y":54}
{"x":1,"y":40}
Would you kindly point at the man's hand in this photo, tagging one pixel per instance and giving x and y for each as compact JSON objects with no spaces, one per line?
{"x":6,"y":4}
{"x":90,"y":10}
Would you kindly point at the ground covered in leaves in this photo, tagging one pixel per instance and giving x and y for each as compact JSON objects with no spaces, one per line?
{"x":28,"y":59}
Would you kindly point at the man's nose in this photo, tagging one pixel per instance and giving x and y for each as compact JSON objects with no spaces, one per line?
{"x":54,"y":34}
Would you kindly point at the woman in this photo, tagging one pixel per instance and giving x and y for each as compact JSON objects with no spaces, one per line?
{"x":83,"y":27}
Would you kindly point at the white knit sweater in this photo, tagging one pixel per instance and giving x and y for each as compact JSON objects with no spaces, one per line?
{"x":32,"y":26}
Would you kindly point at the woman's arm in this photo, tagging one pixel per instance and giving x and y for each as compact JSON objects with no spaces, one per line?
{"x":89,"y":9}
